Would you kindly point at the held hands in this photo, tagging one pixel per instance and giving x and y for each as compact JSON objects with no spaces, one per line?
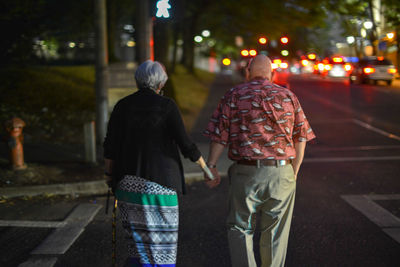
{"x":210,"y":181}
{"x":217,"y":179}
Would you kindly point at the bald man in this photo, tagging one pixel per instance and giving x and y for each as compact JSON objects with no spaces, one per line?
{"x":266,"y":132}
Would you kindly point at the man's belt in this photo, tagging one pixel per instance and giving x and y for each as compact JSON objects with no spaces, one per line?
{"x":265,"y":162}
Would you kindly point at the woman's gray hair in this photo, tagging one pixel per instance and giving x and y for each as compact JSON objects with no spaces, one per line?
{"x":151,"y":75}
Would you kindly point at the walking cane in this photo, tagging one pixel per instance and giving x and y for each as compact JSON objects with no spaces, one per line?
{"x":108,"y":199}
{"x":114,"y":234}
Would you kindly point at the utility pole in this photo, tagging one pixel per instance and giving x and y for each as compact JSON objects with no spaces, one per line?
{"x":144,"y":27}
{"x":101,"y":70}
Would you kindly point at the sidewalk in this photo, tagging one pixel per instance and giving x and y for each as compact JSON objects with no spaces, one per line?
{"x":54,"y":155}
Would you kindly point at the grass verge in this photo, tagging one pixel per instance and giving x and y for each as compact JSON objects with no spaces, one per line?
{"x":55,"y":102}
{"x":191,"y":91}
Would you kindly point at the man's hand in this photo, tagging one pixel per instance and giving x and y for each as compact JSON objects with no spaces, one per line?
{"x":217,"y":179}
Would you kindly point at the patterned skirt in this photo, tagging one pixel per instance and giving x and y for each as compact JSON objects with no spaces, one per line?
{"x":150,"y":217}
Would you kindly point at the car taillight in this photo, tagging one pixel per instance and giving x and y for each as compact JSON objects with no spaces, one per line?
{"x":337,"y":59}
{"x":392,"y":70}
{"x":347,"y":67}
{"x":274,"y":66}
{"x":304,"y":62}
{"x":368,"y":70}
{"x":321,"y":66}
{"x":284,"y":65}
{"x":328,"y":67}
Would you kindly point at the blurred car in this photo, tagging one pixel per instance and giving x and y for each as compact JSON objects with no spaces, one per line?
{"x":281,"y":72}
{"x":373,"y":69}
{"x":335,"y":67}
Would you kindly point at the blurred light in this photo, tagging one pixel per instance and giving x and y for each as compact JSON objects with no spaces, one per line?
{"x":284,"y":40}
{"x":351,"y":59}
{"x":179,"y":42}
{"x":392,"y":70}
{"x":341,"y":45}
{"x":284,"y":53}
{"x":284,"y":65}
{"x":162,"y":8}
{"x":380,"y":58}
{"x":350,"y":39}
{"x":71,"y":44}
{"x":390,"y":35}
{"x":304,"y":62}
{"x":226,"y":61}
{"x":337,"y":59}
{"x":347,"y":67}
{"x":211,"y":43}
{"x":277,"y":61}
{"x":321,"y":66}
{"x":262,"y":40}
{"x":253,"y":52}
{"x":198,"y":39}
{"x":244,"y":52}
{"x":129,"y":28}
{"x":363,"y":32}
{"x":311,"y":56}
{"x":274,"y":66}
{"x":368,"y":70}
{"x":368,"y":25}
{"x":130,"y":43}
{"x":206,"y":33}
{"x":238,"y":41}
{"x":328,"y":67}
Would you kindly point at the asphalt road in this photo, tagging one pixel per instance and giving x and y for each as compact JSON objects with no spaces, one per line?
{"x":347,"y":202}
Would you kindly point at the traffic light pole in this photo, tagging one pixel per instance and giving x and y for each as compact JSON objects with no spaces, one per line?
{"x":144,"y":31}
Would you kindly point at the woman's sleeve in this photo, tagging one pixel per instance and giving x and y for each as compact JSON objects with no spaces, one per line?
{"x":175,"y":123}
{"x":112,"y":139}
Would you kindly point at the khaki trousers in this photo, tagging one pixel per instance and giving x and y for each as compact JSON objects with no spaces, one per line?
{"x":268,"y":191}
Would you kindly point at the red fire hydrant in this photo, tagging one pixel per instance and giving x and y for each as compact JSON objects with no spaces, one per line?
{"x":15,"y":142}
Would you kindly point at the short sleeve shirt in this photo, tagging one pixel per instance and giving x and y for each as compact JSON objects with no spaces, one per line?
{"x":259,"y":120}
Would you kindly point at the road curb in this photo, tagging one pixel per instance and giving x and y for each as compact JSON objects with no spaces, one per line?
{"x":98,"y":187}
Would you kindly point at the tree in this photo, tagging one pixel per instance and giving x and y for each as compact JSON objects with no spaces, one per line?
{"x":392,"y":16}
{"x":16,"y":24}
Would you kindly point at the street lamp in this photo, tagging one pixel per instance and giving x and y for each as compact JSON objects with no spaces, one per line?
{"x":198,"y":39}
{"x":284,"y":53}
{"x":390,"y":35}
{"x":350,"y":39}
{"x":252,"y":52}
{"x":206,"y":33}
{"x":284,"y":40}
{"x":262,"y":40}
{"x":368,"y":25}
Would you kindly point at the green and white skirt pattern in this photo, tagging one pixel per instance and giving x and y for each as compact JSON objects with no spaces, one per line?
{"x":150,"y":217}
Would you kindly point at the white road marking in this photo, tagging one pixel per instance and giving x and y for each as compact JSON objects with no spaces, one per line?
{"x":377,"y":130}
{"x":365,"y":204}
{"x":32,"y":224}
{"x":39,"y":262}
{"x":350,"y":159}
{"x":62,"y":238}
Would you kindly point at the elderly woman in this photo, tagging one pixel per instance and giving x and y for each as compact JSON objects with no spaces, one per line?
{"x":141,"y":155}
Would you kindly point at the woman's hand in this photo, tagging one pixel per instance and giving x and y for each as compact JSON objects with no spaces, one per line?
{"x":217,"y":178}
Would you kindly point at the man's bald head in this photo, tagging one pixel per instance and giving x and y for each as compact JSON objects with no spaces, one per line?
{"x":260,"y":66}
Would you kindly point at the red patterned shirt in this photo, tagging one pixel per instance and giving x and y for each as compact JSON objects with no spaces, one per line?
{"x":259,"y":120}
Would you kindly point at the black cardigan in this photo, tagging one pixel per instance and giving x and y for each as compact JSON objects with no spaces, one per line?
{"x":144,"y":132}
